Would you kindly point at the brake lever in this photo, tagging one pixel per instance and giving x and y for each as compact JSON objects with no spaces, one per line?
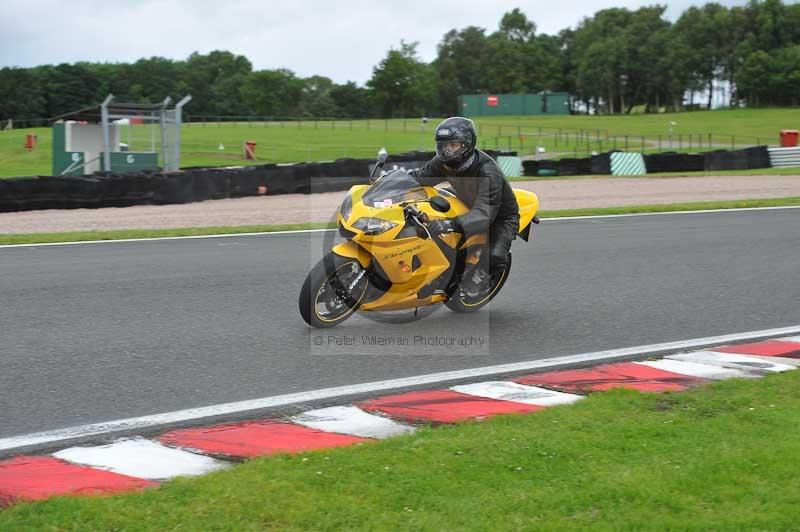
{"x":420,"y":218}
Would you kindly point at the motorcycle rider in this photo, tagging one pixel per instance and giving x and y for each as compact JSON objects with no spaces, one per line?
{"x":478,"y":181}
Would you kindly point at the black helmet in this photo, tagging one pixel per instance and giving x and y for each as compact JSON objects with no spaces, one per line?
{"x":456,"y":138}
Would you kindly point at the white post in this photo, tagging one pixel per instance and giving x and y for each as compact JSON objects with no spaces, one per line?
{"x":106,"y":133}
{"x":161,"y":122}
{"x":176,"y":162}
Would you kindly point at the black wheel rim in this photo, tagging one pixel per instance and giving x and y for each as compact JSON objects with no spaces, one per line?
{"x":495,"y":280}
{"x":334,"y":299}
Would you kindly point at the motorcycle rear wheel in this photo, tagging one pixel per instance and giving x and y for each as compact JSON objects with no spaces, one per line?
{"x":461,"y":302}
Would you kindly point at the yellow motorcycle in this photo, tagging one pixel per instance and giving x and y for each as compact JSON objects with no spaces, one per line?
{"x":390,"y":261}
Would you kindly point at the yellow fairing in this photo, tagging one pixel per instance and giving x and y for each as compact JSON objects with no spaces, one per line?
{"x":528,"y":206}
{"x":409,"y":262}
{"x":351,"y":250}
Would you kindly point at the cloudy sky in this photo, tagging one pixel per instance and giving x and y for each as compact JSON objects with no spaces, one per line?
{"x":343,"y":40}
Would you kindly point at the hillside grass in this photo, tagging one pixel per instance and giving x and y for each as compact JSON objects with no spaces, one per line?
{"x":328,"y":140}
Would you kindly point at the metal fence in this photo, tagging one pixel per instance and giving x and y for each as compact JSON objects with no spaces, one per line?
{"x":582,"y":142}
{"x":416,"y":134}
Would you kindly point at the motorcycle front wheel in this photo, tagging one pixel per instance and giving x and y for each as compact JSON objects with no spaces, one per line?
{"x":333,"y":291}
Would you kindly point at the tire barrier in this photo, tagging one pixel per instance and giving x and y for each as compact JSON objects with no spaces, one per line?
{"x":600,"y":164}
{"x":106,"y":189}
{"x":596,"y":164}
{"x":745,"y":159}
{"x":674,"y":162}
{"x":201,"y":184}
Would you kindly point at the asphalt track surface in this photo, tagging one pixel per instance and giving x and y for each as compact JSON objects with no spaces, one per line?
{"x":97,"y":332}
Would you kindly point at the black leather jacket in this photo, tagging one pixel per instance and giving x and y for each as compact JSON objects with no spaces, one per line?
{"x":482,"y":187}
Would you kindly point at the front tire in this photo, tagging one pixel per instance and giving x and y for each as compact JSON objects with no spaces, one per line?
{"x":325,"y":298}
{"x":460,"y":302}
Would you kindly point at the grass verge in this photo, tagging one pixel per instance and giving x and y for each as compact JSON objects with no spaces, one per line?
{"x":133,"y":234}
{"x":721,"y":457}
{"x":81,"y":236}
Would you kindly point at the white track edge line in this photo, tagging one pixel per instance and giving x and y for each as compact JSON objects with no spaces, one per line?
{"x":703,"y":211}
{"x":156,"y":238}
{"x":156,"y":420}
{"x":300,"y":231}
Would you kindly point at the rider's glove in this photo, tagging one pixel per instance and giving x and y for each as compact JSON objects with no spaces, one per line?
{"x":444,"y":225}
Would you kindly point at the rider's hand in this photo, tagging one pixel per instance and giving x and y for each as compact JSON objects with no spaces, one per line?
{"x":444,"y":225}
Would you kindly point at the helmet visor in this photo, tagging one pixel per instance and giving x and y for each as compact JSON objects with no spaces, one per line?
{"x":451,"y":150}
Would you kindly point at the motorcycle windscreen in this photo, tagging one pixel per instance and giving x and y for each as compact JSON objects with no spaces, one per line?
{"x":394,"y":187}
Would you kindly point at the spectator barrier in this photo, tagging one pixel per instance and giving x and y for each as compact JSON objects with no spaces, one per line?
{"x":201,"y":184}
{"x":106,"y":189}
{"x":746,"y":159}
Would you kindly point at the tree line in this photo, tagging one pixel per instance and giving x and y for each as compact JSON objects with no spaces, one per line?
{"x":611,"y":62}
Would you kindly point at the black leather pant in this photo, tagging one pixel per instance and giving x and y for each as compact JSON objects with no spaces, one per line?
{"x":495,"y":254}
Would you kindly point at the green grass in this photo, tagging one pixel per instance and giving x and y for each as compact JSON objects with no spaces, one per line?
{"x":746,"y":123}
{"x":315,"y":141}
{"x":724,"y":456}
{"x":16,"y":161}
{"x":80,"y":236}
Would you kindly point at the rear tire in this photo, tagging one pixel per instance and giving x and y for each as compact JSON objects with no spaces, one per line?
{"x":460,"y":302}
{"x":324,"y":298}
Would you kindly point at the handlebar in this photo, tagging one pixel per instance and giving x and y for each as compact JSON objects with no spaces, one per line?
{"x":421,"y":216}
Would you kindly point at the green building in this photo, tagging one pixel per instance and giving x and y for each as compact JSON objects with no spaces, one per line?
{"x":90,"y":140}
{"x":78,"y":150}
{"x":544,"y":103}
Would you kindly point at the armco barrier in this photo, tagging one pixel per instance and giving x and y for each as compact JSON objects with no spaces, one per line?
{"x":784,"y":157}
